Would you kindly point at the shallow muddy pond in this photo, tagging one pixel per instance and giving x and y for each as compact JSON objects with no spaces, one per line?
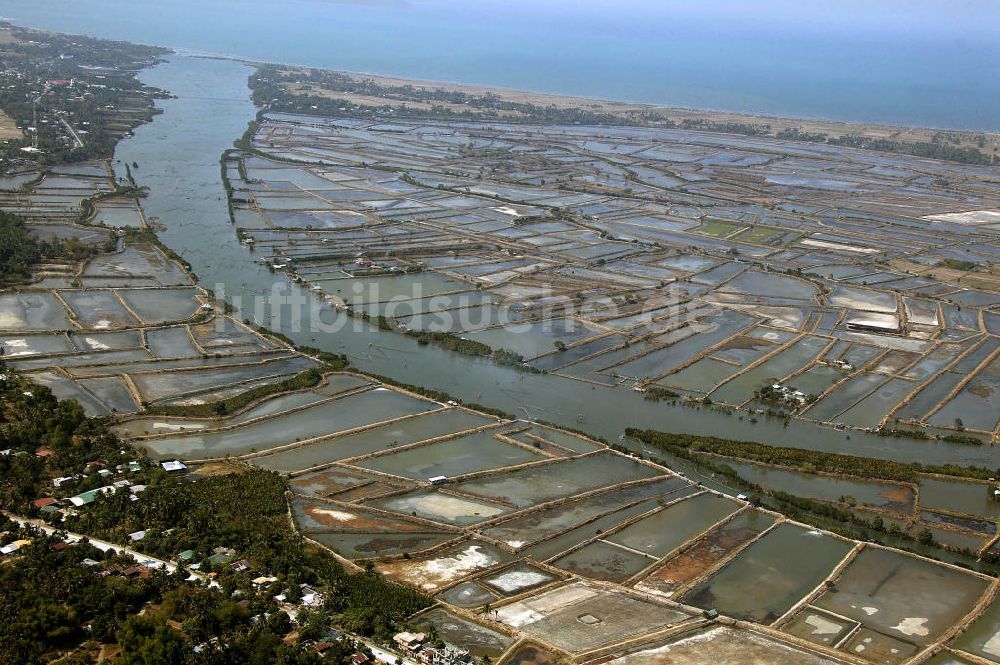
{"x":578,"y":617}
{"x":468,"y":595}
{"x":533,"y":485}
{"x":977,"y":405}
{"x":452,"y":457}
{"x":702,"y":376}
{"x":532,"y":339}
{"x":368,"y":545}
{"x":319,"y":420}
{"x":706,"y":552}
{"x":159,"y":386}
{"x":440,"y":507}
{"x":844,"y":396}
{"x":792,"y":359}
{"x":534,"y":526}
{"x":601,"y":560}
{"x":157,"y":306}
{"x":819,"y":627}
{"x":173,"y":342}
{"x":375,"y":439}
{"x":360,"y":290}
{"x":546,"y":549}
{"x":723,"y":645}
{"x":162,"y":425}
{"x":890,"y":496}
{"x":902,"y":596}
{"x":112,"y":392}
{"x":969,"y":498}
{"x":983,"y":637}
{"x":517,"y":579}
{"x":780,"y":568}
{"x":32,"y":311}
{"x":870,"y":411}
{"x":329,"y":481}
{"x":29,"y":345}
{"x":671,"y":527}
{"x":577,"y":444}
{"x":443,"y":568}
{"x":64,"y":388}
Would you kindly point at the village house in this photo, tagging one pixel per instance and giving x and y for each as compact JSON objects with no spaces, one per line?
{"x":409,"y":642}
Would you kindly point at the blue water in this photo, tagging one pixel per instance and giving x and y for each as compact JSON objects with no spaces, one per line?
{"x":914,"y":62}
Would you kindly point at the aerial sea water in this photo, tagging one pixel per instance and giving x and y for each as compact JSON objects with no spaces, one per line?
{"x":913,"y":62}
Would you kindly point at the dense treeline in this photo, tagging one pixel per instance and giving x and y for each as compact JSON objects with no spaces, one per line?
{"x":805,"y":460}
{"x":658,"y":394}
{"x":744,"y":128}
{"x":20,"y":250}
{"x":49,"y":602}
{"x":950,"y":153}
{"x":306,"y":379}
{"x":246,"y":512}
{"x":269,"y":89}
{"x":449,"y":341}
{"x":452,"y":342}
{"x":469,"y":347}
{"x":148,"y":236}
{"x":31,"y":418}
{"x":74,"y":606}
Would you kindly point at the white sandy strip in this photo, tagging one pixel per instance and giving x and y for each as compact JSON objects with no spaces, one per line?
{"x":514,"y":580}
{"x":443,"y":570}
{"x":18,"y":344}
{"x":529,"y":611}
{"x":823,"y":626}
{"x":174,"y":427}
{"x":822,"y":244}
{"x":338,"y":515}
{"x":97,"y":345}
{"x":912,"y":626}
{"x":968,"y":218}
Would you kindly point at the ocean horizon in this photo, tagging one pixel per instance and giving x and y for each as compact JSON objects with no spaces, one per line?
{"x":916,"y":63}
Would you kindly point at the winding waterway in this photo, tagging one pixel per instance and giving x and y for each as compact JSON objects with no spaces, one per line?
{"x":178,"y":159}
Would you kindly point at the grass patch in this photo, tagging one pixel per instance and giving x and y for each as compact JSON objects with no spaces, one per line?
{"x":956,"y":264}
{"x":762,"y":235}
{"x":718,"y":228}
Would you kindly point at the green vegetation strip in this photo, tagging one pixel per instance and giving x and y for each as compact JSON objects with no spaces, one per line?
{"x":810,"y":461}
{"x":20,"y":250}
{"x":306,"y":379}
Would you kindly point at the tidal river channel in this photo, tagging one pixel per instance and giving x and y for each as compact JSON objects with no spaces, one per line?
{"x":177,"y":157}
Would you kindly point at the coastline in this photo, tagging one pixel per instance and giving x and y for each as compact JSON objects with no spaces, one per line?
{"x":806,"y":123}
{"x":986,"y":141}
